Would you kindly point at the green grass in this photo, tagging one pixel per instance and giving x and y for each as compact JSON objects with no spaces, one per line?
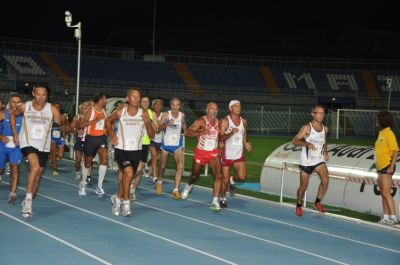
{"x":261,"y":148}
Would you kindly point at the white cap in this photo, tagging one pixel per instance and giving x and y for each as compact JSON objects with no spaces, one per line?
{"x":233,"y":102}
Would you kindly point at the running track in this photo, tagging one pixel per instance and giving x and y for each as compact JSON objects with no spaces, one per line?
{"x":66,"y":229}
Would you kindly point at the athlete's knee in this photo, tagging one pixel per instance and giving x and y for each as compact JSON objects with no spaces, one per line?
{"x":35,"y":169}
{"x":179,"y":166}
{"x":241,"y":176}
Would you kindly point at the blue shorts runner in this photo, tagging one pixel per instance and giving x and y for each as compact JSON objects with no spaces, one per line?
{"x":11,"y":155}
{"x":172,"y":149}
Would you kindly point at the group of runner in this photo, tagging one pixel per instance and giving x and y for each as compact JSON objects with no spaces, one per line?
{"x":36,"y":129}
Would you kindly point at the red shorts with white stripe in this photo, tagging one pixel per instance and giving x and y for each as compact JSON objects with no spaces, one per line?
{"x":202,"y":157}
{"x":229,"y":162}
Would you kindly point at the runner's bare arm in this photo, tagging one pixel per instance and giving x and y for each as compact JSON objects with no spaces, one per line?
{"x":299,"y":139}
{"x":222,"y":130}
{"x":74,"y":125}
{"x":109,"y":125}
{"x":18,"y":111}
{"x":246,"y":141}
{"x":326,"y":155}
{"x":56,"y":115}
{"x":85,"y":121}
{"x":184,"y":125}
{"x":147,"y":123}
{"x":162,"y":124}
{"x":196,"y":129}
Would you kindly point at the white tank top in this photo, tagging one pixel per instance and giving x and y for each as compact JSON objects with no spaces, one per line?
{"x":313,"y":157}
{"x":233,"y":148}
{"x":172,"y":134}
{"x":158,"y":136}
{"x":130,"y":131}
{"x":36,"y":127}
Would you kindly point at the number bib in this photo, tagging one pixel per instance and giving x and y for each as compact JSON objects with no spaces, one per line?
{"x":317,"y":151}
{"x":237,"y":140}
{"x":100,"y":125}
{"x":10,"y":143}
{"x":209,"y":144}
{"x":37,"y":132}
{"x":173,"y":140}
{"x":131,"y":143}
{"x":56,"y":134}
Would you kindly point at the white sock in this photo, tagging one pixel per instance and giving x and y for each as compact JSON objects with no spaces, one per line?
{"x":189,"y":186}
{"x":84,"y":175}
{"x":231,"y":180}
{"x":28,"y":196}
{"x":126,"y":203}
{"x":223,"y":199}
{"x":102,"y":174}
{"x":215,"y":199}
{"x":393,"y":217}
{"x":386,"y":217}
{"x":117,"y":200}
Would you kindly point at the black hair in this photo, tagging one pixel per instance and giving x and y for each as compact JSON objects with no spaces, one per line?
{"x":99,"y":96}
{"x":385,"y":119}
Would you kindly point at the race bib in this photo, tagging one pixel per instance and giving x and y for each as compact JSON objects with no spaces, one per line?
{"x":38,"y":132}
{"x":56,"y":134}
{"x":237,"y":140}
{"x":209,"y":144}
{"x":10,"y":143}
{"x":317,"y":151}
{"x":100,"y":125}
{"x":173,"y":140}
{"x":131,"y":143}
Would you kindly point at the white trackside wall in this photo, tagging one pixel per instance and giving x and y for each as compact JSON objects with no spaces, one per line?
{"x":352,"y":177}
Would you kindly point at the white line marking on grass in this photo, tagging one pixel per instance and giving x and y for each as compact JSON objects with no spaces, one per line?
{"x":57,"y":239}
{"x":217,"y":226}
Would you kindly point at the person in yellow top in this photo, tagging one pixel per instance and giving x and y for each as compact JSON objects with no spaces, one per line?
{"x":386,"y":151}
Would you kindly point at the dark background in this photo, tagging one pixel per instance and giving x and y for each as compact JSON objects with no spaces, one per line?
{"x":350,"y":29}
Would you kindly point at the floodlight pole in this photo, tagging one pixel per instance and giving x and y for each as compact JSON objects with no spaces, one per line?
{"x":78,"y":36}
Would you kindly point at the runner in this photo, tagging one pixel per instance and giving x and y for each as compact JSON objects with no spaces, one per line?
{"x":206,"y":129}
{"x":233,"y":134}
{"x":58,"y":132}
{"x":155,"y":143}
{"x":80,"y":133}
{"x":144,"y":105}
{"x":386,"y":152}
{"x":128,"y":143}
{"x":95,"y":142}
{"x":34,"y":139}
{"x":313,"y":139}
{"x":172,"y":123}
{"x":9,"y":152}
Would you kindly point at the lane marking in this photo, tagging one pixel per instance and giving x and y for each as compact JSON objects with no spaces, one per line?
{"x":62,"y":241}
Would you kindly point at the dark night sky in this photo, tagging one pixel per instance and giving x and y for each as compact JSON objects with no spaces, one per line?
{"x":280,"y":28}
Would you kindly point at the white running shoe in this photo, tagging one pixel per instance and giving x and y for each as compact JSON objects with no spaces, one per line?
{"x":395,"y":221}
{"x":100,"y":192}
{"x":26,"y":208}
{"x":146,"y":171}
{"x":384,"y":221}
{"x":215,"y":207}
{"x":186,"y":191}
{"x":116,"y":208}
{"x":133,"y":196}
{"x":12,"y":198}
{"x":82,"y":190}
{"x":77,"y":176}
{"x":126,"y":209}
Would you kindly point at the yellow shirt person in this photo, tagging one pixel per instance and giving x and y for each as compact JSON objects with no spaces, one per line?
{"x":384,"y":147}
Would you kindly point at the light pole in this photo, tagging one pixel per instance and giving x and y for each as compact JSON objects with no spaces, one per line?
{"x":78,"y":35}
{"x":389,"y":85}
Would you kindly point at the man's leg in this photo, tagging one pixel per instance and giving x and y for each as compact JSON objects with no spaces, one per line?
{"x":225,"y":181}
{"x":103,"y":155}
{"x":301,"y":190}
{"x":163,"y":164}
{"x":195,"y":173}
{"x":53,"y":157}
{"x":215,"y":165}
{"x":12,"y":198}
{"x":153,"y":161}
{"x":322,"y":171}
{"x":387,"y":199}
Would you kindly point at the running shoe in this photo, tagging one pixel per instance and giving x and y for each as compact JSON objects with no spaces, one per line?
{"x":186,"y":191}
{"x":158,"y":187}
{"x":215,"y":207}
{"x":299,"y":211}
{"x":88,"y":180}
{"x":384,"y":221}
{"x":232,"y":189}
{"x":223,"y":204}
{"x":100,"y":192}
{"x":77,"y":176}
{"x":126,"y":209}
{"x":82,"y":190}
{"x":12,"y":198}
{"x":176,"y":195}
{"x":55,"y":173}
{"x":132,"y":196}
{"x":27,"y":208}
{"x":395,"y":221}
{"x":116,"y":208}
{"x":318,"y":206}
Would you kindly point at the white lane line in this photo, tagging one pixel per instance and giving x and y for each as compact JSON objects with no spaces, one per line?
{"x":62,"y":241}
{"x":132,"y":227}
{"x":220,"y":227}
{"x":299,"y":227}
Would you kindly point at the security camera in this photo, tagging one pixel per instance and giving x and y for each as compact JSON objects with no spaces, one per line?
{"x":68,"y":18}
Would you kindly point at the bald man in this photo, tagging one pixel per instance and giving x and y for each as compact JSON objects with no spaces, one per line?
{"x":206,"y":129}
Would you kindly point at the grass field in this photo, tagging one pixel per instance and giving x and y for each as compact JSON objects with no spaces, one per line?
{"x":262,"y":146}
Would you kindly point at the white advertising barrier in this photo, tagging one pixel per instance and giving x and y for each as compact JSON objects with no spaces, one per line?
{"x":352,"y":177}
